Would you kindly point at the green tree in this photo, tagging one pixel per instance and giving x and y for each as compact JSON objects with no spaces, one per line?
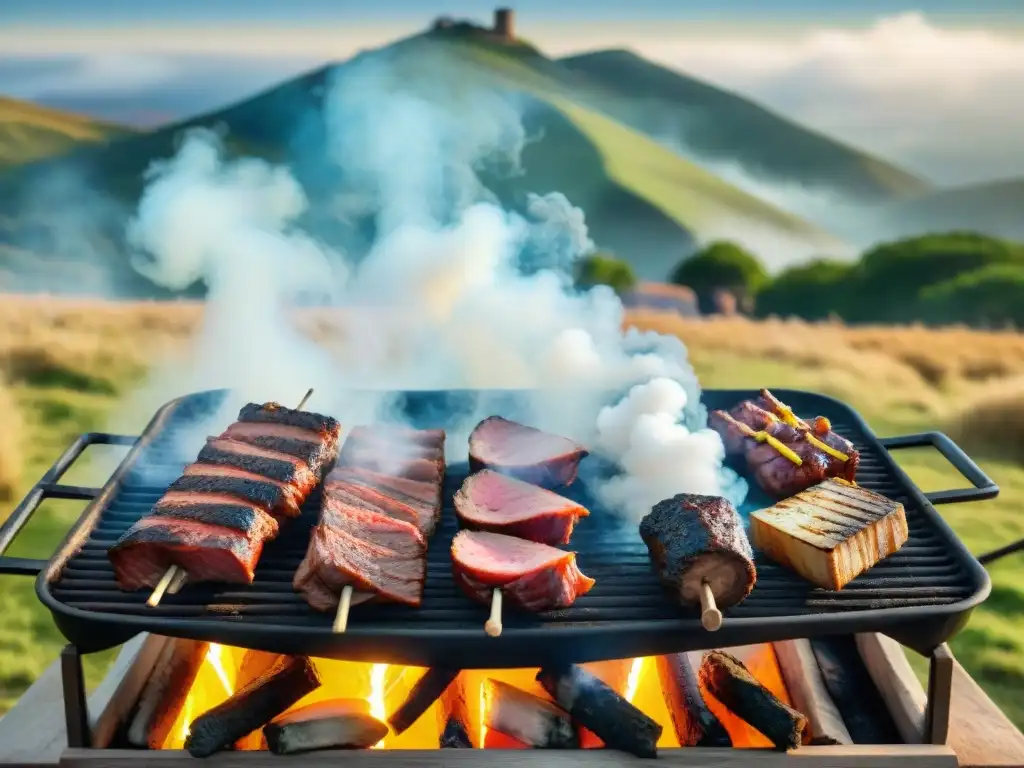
{"x":604,"y":269}
{"x":722,"y":265}
{"x":812,"y":291}
{"x":892,"y":276}
{"x":992,"y":295}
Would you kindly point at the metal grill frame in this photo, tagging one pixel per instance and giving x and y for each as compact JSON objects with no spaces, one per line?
{"x":920,"y":627}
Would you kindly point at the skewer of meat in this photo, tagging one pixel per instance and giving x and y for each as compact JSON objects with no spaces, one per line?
{"x":701,"y":553}
{"x":381,"y":504}
{"x":216,"y":517}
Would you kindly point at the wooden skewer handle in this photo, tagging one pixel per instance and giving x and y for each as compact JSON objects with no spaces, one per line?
{"x":162,"y":586}
{"x":710,"y":616}
{"x":341,"y":617}
{"x":493,"y":625}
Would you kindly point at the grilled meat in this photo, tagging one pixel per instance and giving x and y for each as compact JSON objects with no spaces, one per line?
{"x":532,"y":576}
{"x":753,"y":416}
{"x":377,"y":513}
{"x":819,"y":432}
{"x":694,"y":539}
{"x":524,"y":452}
{"x":830,"y":533}
{"x":489,"y":501}
{"x":214,"y":520}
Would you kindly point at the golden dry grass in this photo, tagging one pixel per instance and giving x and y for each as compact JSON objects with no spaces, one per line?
{"x":11,"y":459}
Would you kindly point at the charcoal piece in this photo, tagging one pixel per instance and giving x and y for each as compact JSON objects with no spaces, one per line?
{"x":427,"y":690}
{"x":862,"y":708}
{"x":597,"y":707}
{"x":695,"y":724}
{"x":253,"y":706}
{"x":730,"y":682}
{"x":332,"y":724}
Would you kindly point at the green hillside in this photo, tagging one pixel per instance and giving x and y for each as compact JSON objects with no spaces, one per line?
{"x":642,"y":201}
{"x":30,"y":132}
{"x":716,"y":125}
{"x":993,"y":208}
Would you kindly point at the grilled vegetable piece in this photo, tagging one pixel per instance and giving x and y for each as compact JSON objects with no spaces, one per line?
{"x":524,"y":452}
{"x":527,"y":718}
{"x":694,"y":539}
{"x":253,"y":706}
{"x":534,"y":577}
{"x":830,"y":533}
{"x":489,"y":501}
{"x":595,"y":706}
{"x":695,"y":724}
{"x":332,"y":724}
{"x":730,"y":682}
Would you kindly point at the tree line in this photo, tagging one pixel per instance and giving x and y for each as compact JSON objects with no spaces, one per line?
{"x":954,"y":277}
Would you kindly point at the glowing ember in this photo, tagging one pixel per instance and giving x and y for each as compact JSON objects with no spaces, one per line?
{"x":378,"y":675}
{"x":214,"y":657}
{"x":633,"y":681}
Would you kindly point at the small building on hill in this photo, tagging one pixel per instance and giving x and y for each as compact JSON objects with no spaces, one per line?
{"x":503,"y":31}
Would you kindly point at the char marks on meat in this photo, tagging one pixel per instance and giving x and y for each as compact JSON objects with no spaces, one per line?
{"x":490,"y":501}
{"x":531,"y":576}
{"x":380,"y":505}
{"x":524,"y":452}
{"x":694,"y":539}
{"x":215,"y":519}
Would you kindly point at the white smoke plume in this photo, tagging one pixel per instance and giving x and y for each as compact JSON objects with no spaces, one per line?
{"x":440,"y":301}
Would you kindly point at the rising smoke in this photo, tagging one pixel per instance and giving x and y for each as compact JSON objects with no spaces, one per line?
{"x":439,"y":302}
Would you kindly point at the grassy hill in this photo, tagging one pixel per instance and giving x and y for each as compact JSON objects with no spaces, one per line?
{"x":30,"y":132}
{"x":993,"y":208}
{"x":718,"y":126}
{"x":642,"y":200}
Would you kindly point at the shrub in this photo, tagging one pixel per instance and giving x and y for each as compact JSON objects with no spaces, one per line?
{"x":722,"y":266}
{"x":604,"y":269}
{"x":812,"y":291}
{"x":993,"y":295}
{"x":893,"y":275}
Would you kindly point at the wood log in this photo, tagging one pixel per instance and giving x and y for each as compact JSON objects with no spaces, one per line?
{"x":732,"y":684}
{"x":165,"y":692}
{"x":253,"y":706}
{"x":810,"y":696}
{"x":527,"y":718}
{"x":896,"y":683}
{"x":331,"y":724}
{"x":424,"y":693}
{"x":254,"y":665}
{"x":597,"y":707}
{"x":453,"y":717}
{"x":695,"y":724}
{"x":850,"y":687}
{"x":615,"y":674}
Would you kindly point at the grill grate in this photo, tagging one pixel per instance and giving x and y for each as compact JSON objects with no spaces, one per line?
{"x":921,"y":595}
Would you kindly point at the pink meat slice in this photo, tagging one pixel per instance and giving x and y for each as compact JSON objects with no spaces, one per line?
{"x":428,"y":493}
{"x":532,"y":576}
{"x":524,"y":452}
{"x":490,"y":501}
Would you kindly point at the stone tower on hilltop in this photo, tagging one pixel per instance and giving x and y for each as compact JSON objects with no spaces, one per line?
{"x":505,"y":24}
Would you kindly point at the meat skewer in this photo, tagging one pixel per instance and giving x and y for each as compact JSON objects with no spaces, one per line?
{"x":174,"y":577}
{"x":701,"y":552}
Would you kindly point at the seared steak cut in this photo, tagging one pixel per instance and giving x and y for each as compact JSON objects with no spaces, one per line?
{"x":524,"y":452}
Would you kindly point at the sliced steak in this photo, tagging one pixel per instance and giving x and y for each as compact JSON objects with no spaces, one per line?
{"x":524,"y":452}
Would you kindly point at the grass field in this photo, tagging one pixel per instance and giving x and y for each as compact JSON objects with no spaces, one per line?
{"x":67,"y":367}
{"x":30,"y":132}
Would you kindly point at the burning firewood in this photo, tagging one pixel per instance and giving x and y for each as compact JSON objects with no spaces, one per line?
{"x":730,"y":682}
{"x":453,"y":717}
{"x":600,"y":709}
{"x":533,"y":721}
{"x":695,"y":724}
{"x":850,"y":686}
{"x":254,"y":665}
{"x":810,"y":696}
{"x":333,"y":724}
{"x":427,"y":690}
{"x":253,"y":706}
{"x":165,"y":692}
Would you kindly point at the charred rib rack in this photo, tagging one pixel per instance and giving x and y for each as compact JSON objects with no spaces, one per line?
{"x":784,"y":453}
{"x":214,"y":520}
{"x":695,"y":540}
{"x":532,"y":576}
{"x":490,"y":501}
{"x":380,"y":504}
{"x":524,"y":452}
{"x":830,"y":533}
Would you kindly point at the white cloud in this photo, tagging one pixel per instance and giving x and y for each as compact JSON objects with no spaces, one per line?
{"x":946,"y":102}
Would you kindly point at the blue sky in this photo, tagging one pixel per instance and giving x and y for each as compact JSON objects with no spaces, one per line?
{"x":933,"y":85}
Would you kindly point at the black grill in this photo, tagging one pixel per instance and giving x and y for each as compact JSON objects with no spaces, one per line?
{"x":921,"y":596}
